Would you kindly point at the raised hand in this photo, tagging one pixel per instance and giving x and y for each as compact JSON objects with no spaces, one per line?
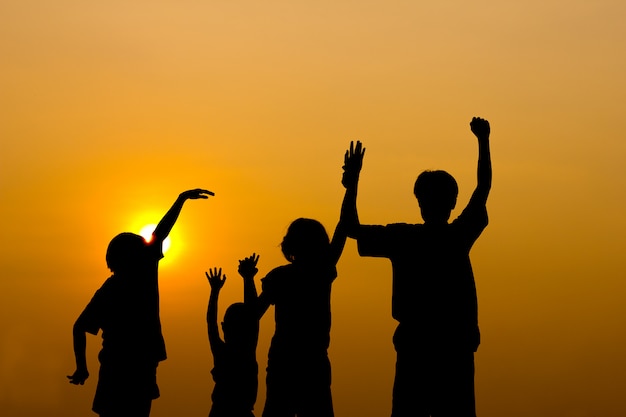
{"x":247,"y":266}
{"x":78,"y":377}
{"x":480,"y":128}
{"x":196,"y":194}
{"x":215,"y":278}
{"x":353,"y":162}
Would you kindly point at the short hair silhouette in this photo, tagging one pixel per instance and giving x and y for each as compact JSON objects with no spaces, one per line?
{"x":240,"y":325}
{"x":125,"y":309}
{"x":124,"y":251}
{"x":433,"y":287}
{"x":436,"y":193}
{"x":305,"y":239}
{"x":235,"y":368}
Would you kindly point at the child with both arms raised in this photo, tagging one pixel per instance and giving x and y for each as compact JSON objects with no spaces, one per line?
{"x":235,"y":370}
{"x":434,"y":293}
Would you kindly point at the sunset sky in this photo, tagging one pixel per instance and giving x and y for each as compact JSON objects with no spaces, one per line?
{"x":108,"y":110}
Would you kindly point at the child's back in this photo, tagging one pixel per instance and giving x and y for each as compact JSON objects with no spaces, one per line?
{"x":301,"y":296}
{"x":235,"y":368}
{"x":298,"y":370}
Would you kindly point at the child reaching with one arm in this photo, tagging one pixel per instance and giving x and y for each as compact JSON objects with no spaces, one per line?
{"x":126,"y":309}
{"x":299,"y":370}
{"x":235,"y":370}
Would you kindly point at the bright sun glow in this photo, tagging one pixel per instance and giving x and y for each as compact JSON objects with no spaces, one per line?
{"x":146,"y":233}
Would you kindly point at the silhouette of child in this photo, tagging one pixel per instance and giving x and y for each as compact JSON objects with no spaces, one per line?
{"x":235,"y":370}
{"x":298,"y":371}
{"x":434,"y":294}
{"x":126,"y":308}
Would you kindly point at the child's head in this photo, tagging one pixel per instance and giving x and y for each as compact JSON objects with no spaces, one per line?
{"x":436,"y":193}
{"x":240,"y":325}
{"x":306,"y":239}
{"x":125,"y":252}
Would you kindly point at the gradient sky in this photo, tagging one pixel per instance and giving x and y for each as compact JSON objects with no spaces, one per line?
{"x":109,"y":110}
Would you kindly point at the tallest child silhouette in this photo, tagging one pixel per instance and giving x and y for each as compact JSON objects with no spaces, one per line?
{"x":126,"y":308}
{"x":434,"y":294}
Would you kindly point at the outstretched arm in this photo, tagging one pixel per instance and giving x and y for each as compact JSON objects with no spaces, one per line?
{"x":480,"y":128}
{"x":216,"y":282}
{"x":349,"y":219}
{"x":247,"y":269}
{"x":167,"y":222}
{"x":80,"y":346}
{"x":353,"y":162}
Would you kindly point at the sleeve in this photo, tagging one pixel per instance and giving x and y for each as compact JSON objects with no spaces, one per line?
{"x":472,"y":221}
{"x":155,"y":249}
{"x":90,"y":320}
{"x":269,"y":286}
{"x":374,"y":241}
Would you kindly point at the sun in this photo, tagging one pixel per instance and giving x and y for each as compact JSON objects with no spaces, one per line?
{"x":146,"y":233}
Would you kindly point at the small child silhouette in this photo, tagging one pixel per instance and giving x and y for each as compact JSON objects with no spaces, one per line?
{"x":434,"y":294}
{"x":235,"y":370}
{"x":126,"y":309}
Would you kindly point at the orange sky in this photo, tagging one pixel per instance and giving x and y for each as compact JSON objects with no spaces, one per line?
{"x":109,"y":110}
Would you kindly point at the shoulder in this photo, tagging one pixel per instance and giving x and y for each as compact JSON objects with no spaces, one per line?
{"x":279,"y":271}
{"x":276,"y":275}
{"x":403,"y":227}
{"x":473,"y":214}
{"x":155,"y":249}
{"x":377,"y":230}
{"x":110,"y":285}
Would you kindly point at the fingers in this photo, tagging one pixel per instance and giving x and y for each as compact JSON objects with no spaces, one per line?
{"x":75,"y":380}
{"x":253,"y":259}
{"x":214,"y":276}
{"x":355,"y":151}
{"x":204,"y":194}
{"x":198,"y":193}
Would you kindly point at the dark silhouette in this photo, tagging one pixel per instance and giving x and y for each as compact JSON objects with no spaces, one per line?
{"x":298,"y":371}
{"x":434,"y":294}
{"x":126,"y":308}
{"x":235,"y":369}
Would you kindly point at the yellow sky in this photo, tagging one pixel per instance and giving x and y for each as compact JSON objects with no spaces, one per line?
{"x":109,"y":110}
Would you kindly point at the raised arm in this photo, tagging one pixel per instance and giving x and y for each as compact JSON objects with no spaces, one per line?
{"x":217,"y":282}
{"x":167,"y":222}
{"x":349,"y":219}
{"x":80,"y":346}
{"x":480,"y":128}
{"x":247,"y":269}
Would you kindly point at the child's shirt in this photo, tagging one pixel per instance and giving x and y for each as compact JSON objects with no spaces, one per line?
{"x":236,"y":383}
{"x":301,"y":296}
{"x":126,"y":308}
{"x":433,"y":291}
